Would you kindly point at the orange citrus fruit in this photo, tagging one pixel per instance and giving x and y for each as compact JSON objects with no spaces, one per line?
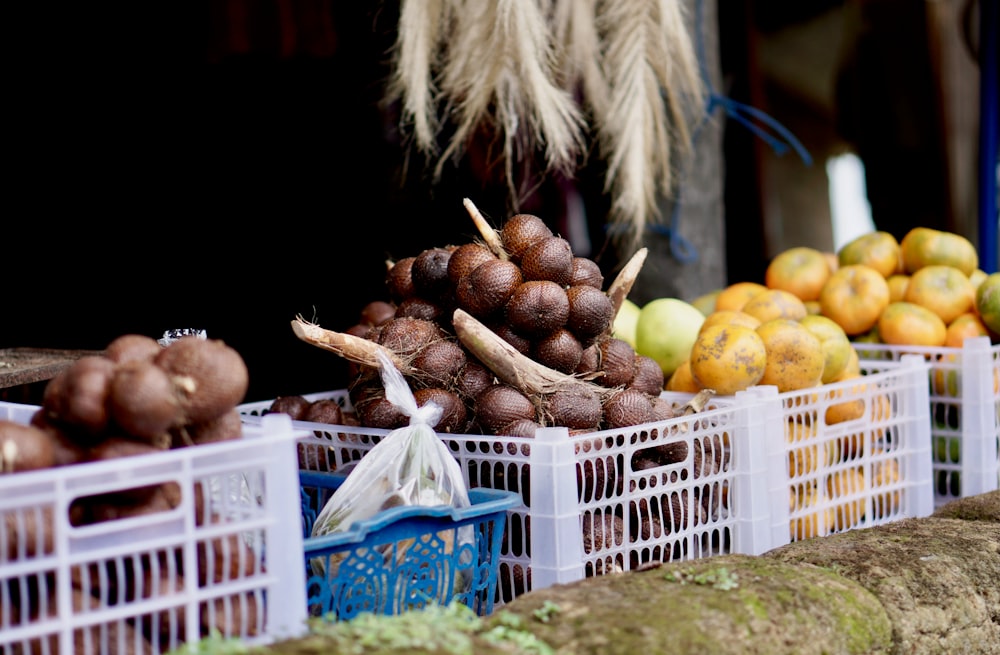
{"x":924,"y":246}
{"x":794,"y":355}
{"x":944,"y":290}
{"x":737,"y":294}
{"x":854,"y":297}
{"x":897,"y":286}
{"x":837,"y":347}
{"x":682,"y":380}
{"x":841,"y":484}
{"x":801,"y":271}
{"x":775,"y":303}
{"x":727,"y":358}
{"x":907,"y":323}
{"x":965,"y":325}
{"x":730,"y":317}
{"x":885,"y":473}
{"x":804,"y":497}
{"x":853,"y":407}
{"x":803,"y":451}
{"x":988,"y":302}
{"x":880,"y":250}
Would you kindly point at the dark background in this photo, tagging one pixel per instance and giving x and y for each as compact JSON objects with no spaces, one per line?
{"x":225,"y":166}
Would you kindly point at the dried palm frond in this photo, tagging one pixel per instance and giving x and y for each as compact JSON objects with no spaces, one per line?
{"x":501,"y":59}
{"x":415,"y":58}
{"x":578,"y":49}
{"x":530,"y":70}
{"x":646,"y":72}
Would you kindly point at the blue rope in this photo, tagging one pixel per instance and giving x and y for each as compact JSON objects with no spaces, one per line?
{"x":681,"y":248}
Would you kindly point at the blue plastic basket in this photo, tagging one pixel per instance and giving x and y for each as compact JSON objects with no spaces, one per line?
{"x":404,"y":558}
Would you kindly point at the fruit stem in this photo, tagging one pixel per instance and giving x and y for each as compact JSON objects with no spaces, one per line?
{"x":622,"y":284}
{"x":356,"y":349}
{"x":489,"y":234}
{"x":514,"y":368}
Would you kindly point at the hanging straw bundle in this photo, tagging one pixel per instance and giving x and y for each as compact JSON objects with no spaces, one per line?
{"x":545,"y":75}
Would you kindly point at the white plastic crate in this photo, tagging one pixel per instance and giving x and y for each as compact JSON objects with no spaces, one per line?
{"x":149,"y":583}
{"x":600,"y":502}
{"x":855,"y":453}
{"x":964,"y":406}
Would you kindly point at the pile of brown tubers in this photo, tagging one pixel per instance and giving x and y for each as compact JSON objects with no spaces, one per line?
{"x":136,"y":397}
{"x":508,"y":333}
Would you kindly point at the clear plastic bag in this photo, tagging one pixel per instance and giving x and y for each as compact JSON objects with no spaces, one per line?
{"x":411,"y":466}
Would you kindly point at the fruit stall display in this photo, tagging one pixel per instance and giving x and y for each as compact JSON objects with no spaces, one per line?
{"x":874,"y":301}
{"x":135,"y":517}
{"x":544,"y":397}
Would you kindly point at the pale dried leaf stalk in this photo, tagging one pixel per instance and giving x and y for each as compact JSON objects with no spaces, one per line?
{"x":486,"y":231}
{"x":355,"y":349}
{"x":509,"y":365}
{"x":578,"y":52}
{"x":622,"y":284}
{"x":501,"y":60}
{"x":512,"y":68}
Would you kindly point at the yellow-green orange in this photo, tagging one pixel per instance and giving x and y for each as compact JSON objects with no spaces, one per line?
{"x":988,"y":302}
{"x":854,"y":296}
{"x":728,"y":358}
{"x":837,"y":347}
{"x":944,"y":290}
{"x":775,"y":303}
{"x":794,"y":355}
{"x":907,"y":323}
{"x":880,"y":250}
{"x":924,"y":246}
{"x":800,"y":270}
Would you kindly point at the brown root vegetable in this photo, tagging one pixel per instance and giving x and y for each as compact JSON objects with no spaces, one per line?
{"x":325,"y":410}
{"x":453,"y":414}
{"x":295,"y":406}
{"x":211,"y":377}
{"x":617,"y":363}
{"x":586,"y":272}
{"x":221,"y":428}
{"x":537,"y":307}
{"x":465,"y":259}
{"x":225,"y":558}
{"x":559,"y":350}
{"x":520,"y":232}
{"x":144,"y":401}
{"x":78,"y":394}
{"x":239,"y":615}
{"x":439,"y":363}
{"x":628,"y":407}
{"x":408,"y":336}
{"x":550,"y":258}
{"x":28,"y":533}
{"x":648,"y":376}
{"x":500,"y":405}
{"x":376,"y":411}
{"x":377,"y":312}
{"x":399,"y":279}
{"x":129,"y":347}
{"x":66,"y":448}
{"x":487,"y":288}
{"x":576,"y":409}
{"x":24,"y":448}
{"x":590,"y":312}
{"x":115,"y":447}
{"x":112,"y":507}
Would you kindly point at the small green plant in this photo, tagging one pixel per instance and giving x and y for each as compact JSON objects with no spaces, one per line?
{"x":511,"y":631}
{"x":721,"y":578}
{"x":546,"y":611}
